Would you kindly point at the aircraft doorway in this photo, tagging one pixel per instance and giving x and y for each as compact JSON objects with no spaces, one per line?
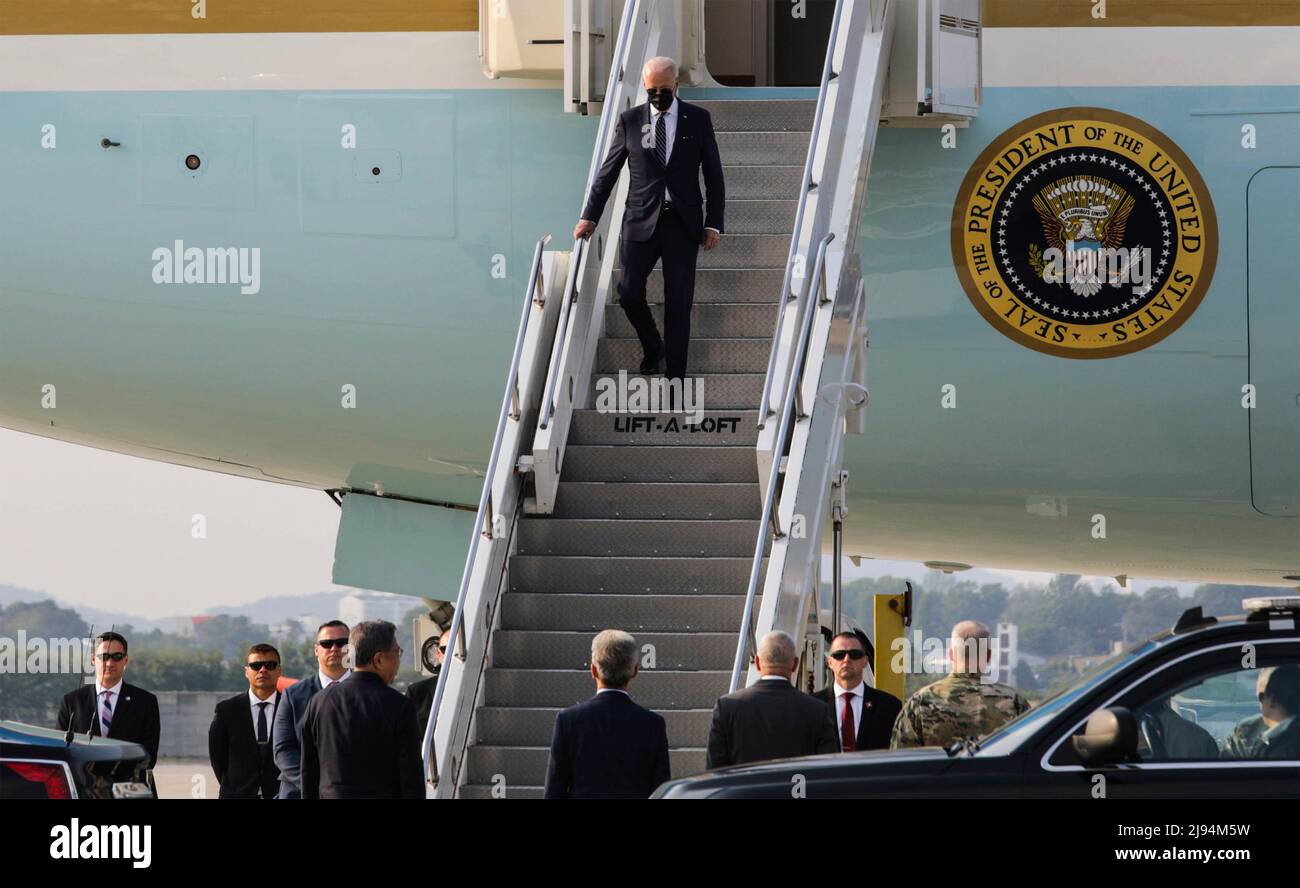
{"x":767,"y":42}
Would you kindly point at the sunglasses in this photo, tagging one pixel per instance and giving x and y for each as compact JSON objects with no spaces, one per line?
{"x":854,"y":654}
{"x":442,"y":649}
{"x":116,"y":657}
{"x":259,"y":665}
{"x":653,"y":91}
{"x":328,"y":643}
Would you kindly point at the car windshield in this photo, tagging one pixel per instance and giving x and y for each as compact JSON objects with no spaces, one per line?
{"x":1008,"y":738}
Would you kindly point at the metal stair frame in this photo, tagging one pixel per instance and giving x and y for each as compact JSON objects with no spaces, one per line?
{"x":827,"y":373}
{"x":458,"y":688}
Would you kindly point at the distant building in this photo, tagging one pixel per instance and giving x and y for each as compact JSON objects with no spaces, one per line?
{"x":1004,"y":669}
{"x":295,"y":628}
{"x":183,"y":626}
{"x":363,"y":605}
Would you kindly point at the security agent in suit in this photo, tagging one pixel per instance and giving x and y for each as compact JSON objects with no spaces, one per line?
{"x":331,"y":650}
{"x":608,"y":747}
{"x":111,"y":707}
{"x":870,"y":712}
{"x":771,"y":719}
{"x":666,"y":143}
{"x":239,"y":738}
{"x":359,"y":739}
{"x":421,"y":692}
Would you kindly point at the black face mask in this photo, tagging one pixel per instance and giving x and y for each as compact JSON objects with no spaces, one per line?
{"x":661,"y":99}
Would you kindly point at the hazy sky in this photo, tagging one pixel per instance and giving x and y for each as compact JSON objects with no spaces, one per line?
{"x":111,"y":531}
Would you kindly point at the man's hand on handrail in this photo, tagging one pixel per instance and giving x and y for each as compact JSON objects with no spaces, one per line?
{"x":583,"y":228}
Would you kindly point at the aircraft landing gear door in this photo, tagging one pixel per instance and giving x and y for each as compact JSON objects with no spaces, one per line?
{"x":590,"y":32}
{"x":1273,"y":247}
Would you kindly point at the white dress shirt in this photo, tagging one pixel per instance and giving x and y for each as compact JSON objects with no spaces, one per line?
{"x":326,"y":681}
{"x":270,"y":711}
{"x":857,"y":694}
{"x":114,"y":694}
{"x":613,"y":691}
{"x":774,"y":678}
{"x":670,"y":133}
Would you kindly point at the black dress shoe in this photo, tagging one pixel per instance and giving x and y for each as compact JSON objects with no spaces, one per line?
{"x":650,"y":363}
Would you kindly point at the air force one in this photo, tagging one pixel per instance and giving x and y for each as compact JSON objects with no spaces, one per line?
{"x":293,"y":244}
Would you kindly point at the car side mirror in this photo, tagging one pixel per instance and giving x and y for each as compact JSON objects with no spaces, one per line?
{"x":1109,"y":737}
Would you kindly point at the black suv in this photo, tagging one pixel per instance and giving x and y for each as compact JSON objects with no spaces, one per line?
{"x":40,"y":763}
{"x":1153,"y":722}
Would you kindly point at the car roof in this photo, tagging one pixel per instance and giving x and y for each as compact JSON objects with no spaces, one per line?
{"x":20,"y":734}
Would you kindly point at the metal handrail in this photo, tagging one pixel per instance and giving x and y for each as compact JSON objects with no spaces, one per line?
{"x":483,"y":521}
{"x":765,"y":409}
{"x":774,"y":473}
{"x":562,"y":331}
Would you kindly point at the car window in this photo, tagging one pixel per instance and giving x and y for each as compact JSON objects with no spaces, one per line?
{"x":1247,"y":712}
{"x":1214,"y":708}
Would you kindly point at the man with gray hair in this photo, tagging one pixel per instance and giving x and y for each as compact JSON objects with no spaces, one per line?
{"x":771,"y":719}
{"x":667,"y":144}
{"x":359,"y":737}
{"x":963,"y":705}
{"x":608,"y":747}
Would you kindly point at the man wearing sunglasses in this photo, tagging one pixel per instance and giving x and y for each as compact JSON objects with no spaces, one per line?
{"x":111,"y":707}
{"x":331,"y":650}
{"x":666,"y":144}
{"x":864,"y":716}
{"x":421,"y":692}
{"x":239,"y":739}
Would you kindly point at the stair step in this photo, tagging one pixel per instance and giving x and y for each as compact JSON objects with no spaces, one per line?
{"x":703,"y":355}
{"x":759,"y":115}
{"x":715,"y":391}
{"x":578,"y":574}
{"x":604,"y":499}
{"x":761,"y":216}
{"x":626,"y":537}
{"x":726,"y":285}
{"x":561,"y":649}
{"x":520,"y":726}
{"x":770,"y":182}
{"x":758,"y":148}
{"x":609,"y":462}
{"x":526,"y":765}
{"x":708,"y":320}
{"x":634,"y":613}
{"x":564,"y":687}
{"x":717,"y":428}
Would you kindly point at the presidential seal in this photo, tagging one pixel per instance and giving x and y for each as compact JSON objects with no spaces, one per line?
{"x":1084,"y":233}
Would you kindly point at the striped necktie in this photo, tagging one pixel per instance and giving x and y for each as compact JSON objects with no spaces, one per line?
{"x":106,"y":713}
{"x":661,"y":140}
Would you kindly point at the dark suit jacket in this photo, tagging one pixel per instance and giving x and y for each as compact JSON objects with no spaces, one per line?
{"x":359,"y":741}
{"x":769,"y":720}
{"x":421,"y":694}
{"x":135,"y":716}
{"x":286,"y":739}
{"x":875,"y":724}
{"x":608,"y":747}
{"x":242,"y":765}
{"x":694,"y":148}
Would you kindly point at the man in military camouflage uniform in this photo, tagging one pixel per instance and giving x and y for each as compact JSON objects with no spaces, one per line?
{"x":960,"y":705}
{"x":1265,"y":735}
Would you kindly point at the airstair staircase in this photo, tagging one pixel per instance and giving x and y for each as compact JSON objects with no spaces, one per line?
{"x":695,"y":537}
